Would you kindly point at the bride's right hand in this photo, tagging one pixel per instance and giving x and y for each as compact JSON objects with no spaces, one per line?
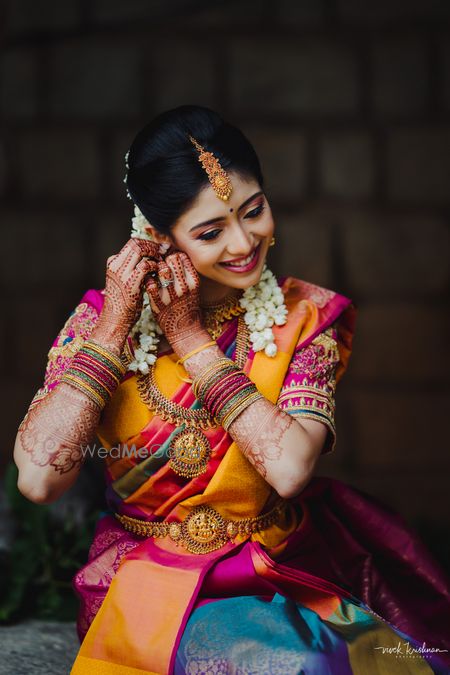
{"x":125,"y":273}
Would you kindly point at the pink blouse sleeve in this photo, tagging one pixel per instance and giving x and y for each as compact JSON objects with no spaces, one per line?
{"x":310,"y":383}
{"x":71,"y":337}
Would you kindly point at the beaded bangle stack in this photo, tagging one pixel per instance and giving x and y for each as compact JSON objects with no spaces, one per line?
{"x":225,"y":390}
{"x":96,"y":371}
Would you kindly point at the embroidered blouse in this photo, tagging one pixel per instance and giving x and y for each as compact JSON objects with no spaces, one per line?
{"x":309,"y":386}
{"x":76,"y":330}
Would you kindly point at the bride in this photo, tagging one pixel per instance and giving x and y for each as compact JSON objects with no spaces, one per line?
{"x":220,"y":549}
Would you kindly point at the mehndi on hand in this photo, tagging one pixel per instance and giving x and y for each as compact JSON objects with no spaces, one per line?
{"x":125,"y":273}
{"x":176,"y":307}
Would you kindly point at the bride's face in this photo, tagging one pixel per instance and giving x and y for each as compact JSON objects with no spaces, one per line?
{"x":215,"y":233}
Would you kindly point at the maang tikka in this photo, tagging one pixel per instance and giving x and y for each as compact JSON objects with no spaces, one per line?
{"x":218,"y":178}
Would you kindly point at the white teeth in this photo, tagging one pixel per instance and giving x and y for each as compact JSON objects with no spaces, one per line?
{"x":244,"y":262}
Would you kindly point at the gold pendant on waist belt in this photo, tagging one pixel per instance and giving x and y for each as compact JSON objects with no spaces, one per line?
{"x":204,"y":529}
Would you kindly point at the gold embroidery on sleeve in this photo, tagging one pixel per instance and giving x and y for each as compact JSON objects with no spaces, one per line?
{"x":75,"y":331}
{"x":310,"y":389}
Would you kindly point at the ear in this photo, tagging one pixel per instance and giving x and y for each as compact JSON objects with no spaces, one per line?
{"x":158,"y":237}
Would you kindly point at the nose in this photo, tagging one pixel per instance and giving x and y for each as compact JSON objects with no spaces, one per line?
{"x":240,"y":242}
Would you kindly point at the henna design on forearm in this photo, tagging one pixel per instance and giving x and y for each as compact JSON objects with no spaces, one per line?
{"x":260,"y":432}
{"x":55,"y":430}
{"x":197,"y":362}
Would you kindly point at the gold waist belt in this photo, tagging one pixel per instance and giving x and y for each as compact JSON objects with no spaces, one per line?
{"x":204,"y":529}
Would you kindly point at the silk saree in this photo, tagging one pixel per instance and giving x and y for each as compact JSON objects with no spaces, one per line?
{"x":338,"y":584}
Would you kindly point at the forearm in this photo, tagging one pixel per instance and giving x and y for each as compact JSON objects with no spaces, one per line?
{"x":277,"y":445}
{"x":54,"y":434}
{"x":50,"y":443}
{"x":271,"y":439}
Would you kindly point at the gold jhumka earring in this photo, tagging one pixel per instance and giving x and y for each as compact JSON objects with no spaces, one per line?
{"x":272,"y":241}
{"x":218,"y":178}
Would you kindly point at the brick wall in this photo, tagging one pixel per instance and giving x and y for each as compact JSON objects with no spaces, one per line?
{"x":348,"y":106}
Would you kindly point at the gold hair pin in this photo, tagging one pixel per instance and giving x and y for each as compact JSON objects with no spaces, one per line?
{"x":218,"y":178}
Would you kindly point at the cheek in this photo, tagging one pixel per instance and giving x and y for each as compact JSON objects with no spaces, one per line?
{"x":268,"y":221}
{"x":202,"y":257}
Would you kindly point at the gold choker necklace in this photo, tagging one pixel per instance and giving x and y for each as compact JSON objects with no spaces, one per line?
{"x":214,"y":314}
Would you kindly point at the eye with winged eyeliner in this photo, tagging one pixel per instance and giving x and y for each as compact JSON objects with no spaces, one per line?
{"x":254,"y":213}
{"x":219,"y":218}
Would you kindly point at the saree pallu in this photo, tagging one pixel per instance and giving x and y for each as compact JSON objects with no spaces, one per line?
{"x":339,"y":584}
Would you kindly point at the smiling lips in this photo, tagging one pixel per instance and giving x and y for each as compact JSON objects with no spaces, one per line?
{"x":245,"y":264}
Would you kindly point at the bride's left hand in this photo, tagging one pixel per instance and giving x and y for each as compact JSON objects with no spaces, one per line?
{"x":177,"y":306}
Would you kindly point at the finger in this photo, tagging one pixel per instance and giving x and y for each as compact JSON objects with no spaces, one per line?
{"x":153,"y":294}
{"x":136,"y":253}
{"x":152,"y":265}
{"x":128,"y":253}
{"x":144,"y":266}
{"x":111,"y":263}
{"x":148,"y":248}
{"x":191,"y":274}
{"x":176,"y":265}
{"x":165,"y":273}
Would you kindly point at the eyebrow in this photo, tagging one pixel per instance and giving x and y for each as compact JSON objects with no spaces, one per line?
{"x":215,"y":220}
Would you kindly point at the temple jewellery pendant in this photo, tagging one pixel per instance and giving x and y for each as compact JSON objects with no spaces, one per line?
{"x":190,"y":449}
{"x":189,"y":452}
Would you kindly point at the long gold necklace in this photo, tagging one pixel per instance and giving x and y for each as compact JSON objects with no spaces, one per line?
{"x":189,"y":449}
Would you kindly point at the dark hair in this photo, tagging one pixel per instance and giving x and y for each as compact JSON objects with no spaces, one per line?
{"x":165,"y":177}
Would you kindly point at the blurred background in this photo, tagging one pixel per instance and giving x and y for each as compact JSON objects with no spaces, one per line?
{"x":348,"y":106}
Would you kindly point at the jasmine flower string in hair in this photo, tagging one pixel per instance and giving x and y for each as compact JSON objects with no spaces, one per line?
{"x":263,"y":302}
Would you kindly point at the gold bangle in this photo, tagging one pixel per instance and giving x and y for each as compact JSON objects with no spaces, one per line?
{"x":236,"y":400}
{"x":83,"y":385}
{"x":212,"y":369}
{"x":226,"y":424}
{"x":209,"y":369}
{"x":237,"y":410}
{"x":107,"y":354}
{"x":185,"y":379}
{"x":241,"y":401}
{"x":195,"y":351}
{"x":103,"y":362}
{"x":85,"y":388}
